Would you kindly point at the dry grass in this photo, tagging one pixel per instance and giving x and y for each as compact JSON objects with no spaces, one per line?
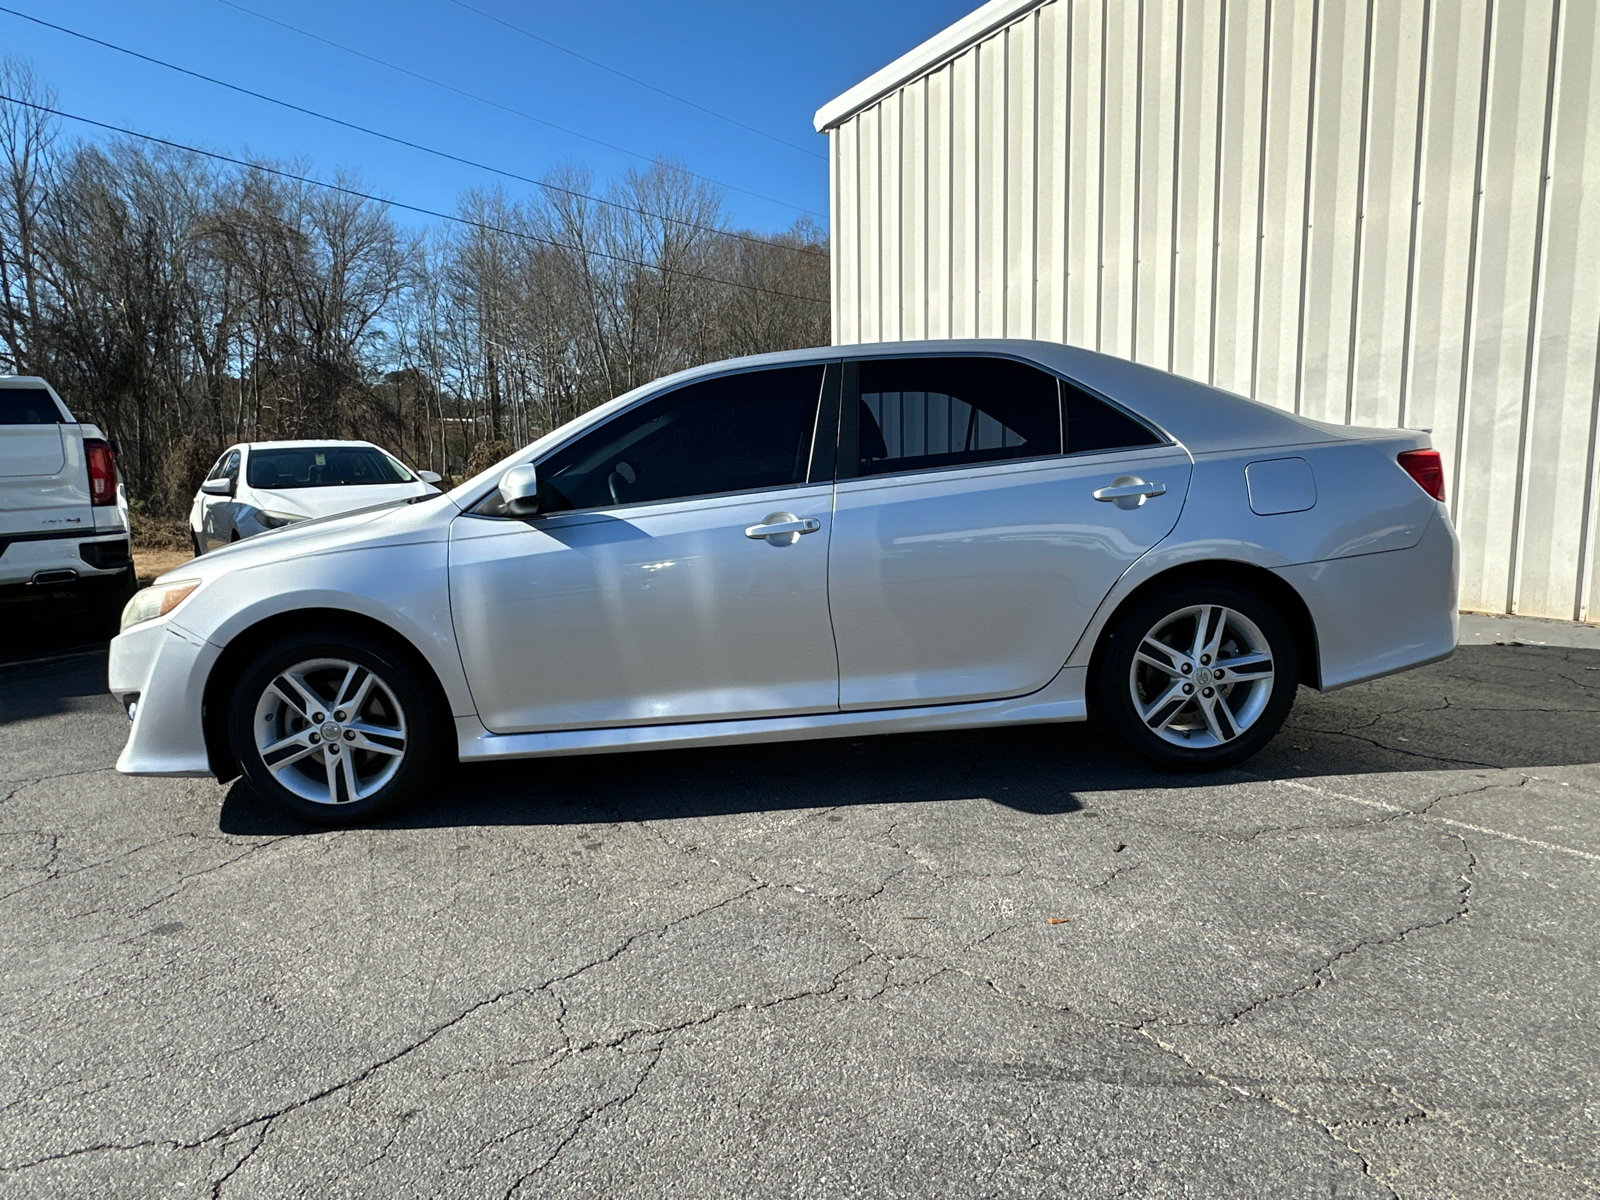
{"x":147,"y":564}
{"x":159,"y":533}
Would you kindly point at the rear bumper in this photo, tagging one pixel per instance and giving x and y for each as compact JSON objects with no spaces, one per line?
{"x":162,"y":669}
{"x":1376,"y":614}
{"x":24,"y":558}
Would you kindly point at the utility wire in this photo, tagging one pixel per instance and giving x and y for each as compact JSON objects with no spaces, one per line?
{"x":400,"y":141}
{"x":415,"y":208}
{"x":660,"y":91}
{"x":516,"y":112}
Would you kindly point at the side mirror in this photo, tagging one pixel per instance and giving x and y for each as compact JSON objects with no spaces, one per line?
{"x":429,"y":476}
{"x":217,"y":487}
{"x":519,"y":488}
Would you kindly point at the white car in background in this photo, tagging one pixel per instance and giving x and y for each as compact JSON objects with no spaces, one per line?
{"x":257,"y":486}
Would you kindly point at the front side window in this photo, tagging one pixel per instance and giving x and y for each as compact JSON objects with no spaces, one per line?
{"x":323,"y":466}
{"x":737,"y":433}
{"x":230,"y":467}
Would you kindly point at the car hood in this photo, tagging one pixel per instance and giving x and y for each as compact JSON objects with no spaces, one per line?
{"x":396,"y":523}
{"x":332,"y":501}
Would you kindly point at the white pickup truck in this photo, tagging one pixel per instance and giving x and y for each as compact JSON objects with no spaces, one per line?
{"x":63,"y":510}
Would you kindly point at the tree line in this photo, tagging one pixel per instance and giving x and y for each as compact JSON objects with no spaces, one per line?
{"x":182,"y":303}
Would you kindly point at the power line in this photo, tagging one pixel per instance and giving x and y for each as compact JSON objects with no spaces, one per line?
{"x":415,"y":208}
{"x":400,"y":141}
{"x":516,"y":112}
{"x":661,"y":91}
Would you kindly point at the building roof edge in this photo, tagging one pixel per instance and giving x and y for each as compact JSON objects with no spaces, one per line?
{"x":941,"y":46}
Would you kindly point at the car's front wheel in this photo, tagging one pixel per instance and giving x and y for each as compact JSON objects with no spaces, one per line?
{"x":1197,"y":677}
{"x":337,"y":729}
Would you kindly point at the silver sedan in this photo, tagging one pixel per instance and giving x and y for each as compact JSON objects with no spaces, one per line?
{"x":857,"y":540}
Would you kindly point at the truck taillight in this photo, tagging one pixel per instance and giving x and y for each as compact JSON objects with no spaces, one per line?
{"x":1426,"y":467}
{"x":102,"y":471}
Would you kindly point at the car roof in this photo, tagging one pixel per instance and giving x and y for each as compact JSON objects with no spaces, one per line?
{"x":1202,"y":417}
{"x":305,"y":443}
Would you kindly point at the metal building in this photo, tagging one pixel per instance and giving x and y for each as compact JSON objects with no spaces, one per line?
{"x":1369,"y":211}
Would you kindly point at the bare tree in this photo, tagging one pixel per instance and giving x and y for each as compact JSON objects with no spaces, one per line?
{"x":183,"y":305}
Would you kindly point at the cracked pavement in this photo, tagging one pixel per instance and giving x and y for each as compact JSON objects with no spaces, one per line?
{"x":1009,"y":963}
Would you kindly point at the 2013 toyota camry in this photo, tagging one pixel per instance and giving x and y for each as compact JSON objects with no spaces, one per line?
{"x":863,"y":539}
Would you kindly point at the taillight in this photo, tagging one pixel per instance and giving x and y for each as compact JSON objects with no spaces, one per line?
{"x":1427,"y":469}
{"x":102,"y":471}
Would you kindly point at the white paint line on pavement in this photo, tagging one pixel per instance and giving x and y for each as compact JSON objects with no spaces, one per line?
{"x":1395,"y":808}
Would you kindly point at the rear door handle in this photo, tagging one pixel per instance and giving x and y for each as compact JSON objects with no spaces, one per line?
{"x":782,"y":529}
{"x":1129,"y":491}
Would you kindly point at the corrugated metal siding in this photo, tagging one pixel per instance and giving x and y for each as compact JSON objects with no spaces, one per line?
{"x":1368,"y":211}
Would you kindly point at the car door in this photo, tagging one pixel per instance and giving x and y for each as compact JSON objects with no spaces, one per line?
{"x":973,"y":534}
{"x":677,"y":570}
{"x":216,"y":512}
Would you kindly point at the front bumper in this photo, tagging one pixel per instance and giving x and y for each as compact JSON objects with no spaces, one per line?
{"x":161,"y":668}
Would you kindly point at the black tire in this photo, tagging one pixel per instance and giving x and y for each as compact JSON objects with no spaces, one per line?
{"x":1241,"y":715}
{"x":398,"y":710}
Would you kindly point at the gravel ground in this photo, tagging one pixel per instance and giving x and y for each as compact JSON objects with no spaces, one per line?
{"x":1012,"y":963}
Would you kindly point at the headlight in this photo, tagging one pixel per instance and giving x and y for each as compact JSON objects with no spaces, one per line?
{"x":277,"y":520}
{"x":152,"y":602}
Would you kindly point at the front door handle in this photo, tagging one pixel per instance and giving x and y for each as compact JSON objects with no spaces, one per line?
{"x":1129,"y":491}
{"x":782,"y":529}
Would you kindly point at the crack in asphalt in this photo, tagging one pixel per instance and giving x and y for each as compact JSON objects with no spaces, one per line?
{"x":584,"y":1119}
{"x":1320,"y":977}
{"x":220,"y":1183}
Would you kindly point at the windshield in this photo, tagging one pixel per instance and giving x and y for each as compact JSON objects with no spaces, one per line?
{"x":324,"y":466}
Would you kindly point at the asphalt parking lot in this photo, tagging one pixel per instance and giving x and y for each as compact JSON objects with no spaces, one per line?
{"x":1011,"y":963}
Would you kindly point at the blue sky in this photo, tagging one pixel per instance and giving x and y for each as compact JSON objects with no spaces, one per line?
{"x":770,"y":66}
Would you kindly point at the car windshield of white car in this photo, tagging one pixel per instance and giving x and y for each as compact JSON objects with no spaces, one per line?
{"x":327,"y":466}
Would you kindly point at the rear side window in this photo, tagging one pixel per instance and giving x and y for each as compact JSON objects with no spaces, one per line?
{"x":1090,"y":424}
{"x":923,"y":413}
{"x":738,"y":433}
{"x":28,"y":406}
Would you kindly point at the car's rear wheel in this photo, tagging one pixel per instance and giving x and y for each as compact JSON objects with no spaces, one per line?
{"x":1197,"y":677}
{"x":337,"y":729}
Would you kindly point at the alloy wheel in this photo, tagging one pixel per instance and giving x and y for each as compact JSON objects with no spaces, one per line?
{"x":1201,"y":676}
{"x":330,"y":731}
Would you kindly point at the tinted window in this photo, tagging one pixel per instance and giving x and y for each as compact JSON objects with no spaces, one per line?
{"x":28,"y":406}
{"x":920,"y":413}
{"x":222,"y":463}
{"x":326,"y":466}
{"x":739,"y":433}
{"x":1091,"y":424}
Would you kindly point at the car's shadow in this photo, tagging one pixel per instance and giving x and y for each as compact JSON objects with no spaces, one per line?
{"x":45,"y":621}
{"x":1488,"y":706}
